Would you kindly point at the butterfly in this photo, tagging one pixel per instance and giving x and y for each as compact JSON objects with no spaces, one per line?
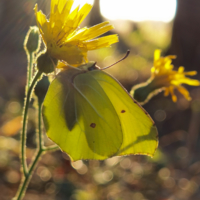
{"x":90,"y":115}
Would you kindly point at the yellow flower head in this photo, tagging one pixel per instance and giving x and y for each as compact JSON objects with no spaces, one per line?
{"x":62,"y":36}
{"x":165,"y":77}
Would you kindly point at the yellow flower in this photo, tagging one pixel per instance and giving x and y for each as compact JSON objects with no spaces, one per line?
{"x":62,"y":36}
{"x":164,"y":76}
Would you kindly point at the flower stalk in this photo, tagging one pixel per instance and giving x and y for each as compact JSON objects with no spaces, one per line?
{"x":28,"y":174}
{"x":24,"y":123}
{"x":41,"y":149}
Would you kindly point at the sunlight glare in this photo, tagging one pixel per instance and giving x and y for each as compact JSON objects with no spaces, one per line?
{"x":139,"y":10}
{"x":81,"y":3}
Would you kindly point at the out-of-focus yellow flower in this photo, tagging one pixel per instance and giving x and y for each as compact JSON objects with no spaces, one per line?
{"x":62,"y":36}
{"x":163,"y":77}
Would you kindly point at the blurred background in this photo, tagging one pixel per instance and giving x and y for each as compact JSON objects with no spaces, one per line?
{"x":142,"y":26}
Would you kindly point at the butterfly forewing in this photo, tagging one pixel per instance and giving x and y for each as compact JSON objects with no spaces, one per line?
{"x":139,"y":132}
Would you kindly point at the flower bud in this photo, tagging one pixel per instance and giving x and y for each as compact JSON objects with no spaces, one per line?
{"x":46,"y":64}
{"x":41,"y":88}
{"x":32,"y":40}
{"x":143,"y":92}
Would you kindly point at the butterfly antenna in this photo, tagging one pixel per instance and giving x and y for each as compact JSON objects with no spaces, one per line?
{"x":127,"y":53}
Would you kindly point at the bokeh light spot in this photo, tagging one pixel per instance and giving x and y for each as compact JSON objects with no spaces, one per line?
{"x":14,"y":107}
{"x":182,"y":152}
{"x":112,"y":161}
{"x":77,"y":164}
{"x":164,"y":173}
{"x":125,"y":163}
{"x":160,"y":115}
{"x":50,"y":188}
{"x":138,"y":196}
{"x":183,"y":183}
{"x":139,"y":10}
{"x":80,"y":167}
{"x":44,"y":173}
{"x":108,"y":175}
{"x":103,"y":177}
{"x":12,"y":176}
{"x":169,"y":183}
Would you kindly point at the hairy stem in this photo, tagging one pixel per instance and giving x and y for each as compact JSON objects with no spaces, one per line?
{"x":51,"y":148}
{"x":26,"y":179}
{"x":41,"y":149}
{"x":24,"y":123}
{"x":30,"y":69}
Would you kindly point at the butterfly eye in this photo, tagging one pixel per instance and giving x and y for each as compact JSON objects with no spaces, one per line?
{"x":93,"y":67}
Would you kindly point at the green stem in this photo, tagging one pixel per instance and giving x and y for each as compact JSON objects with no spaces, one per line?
{"x":40,"y":135}
{"x":143,"y":92}
{"x":51,"y":148}
{"x":23,"y":135}
{"x":30,"y":69}
{"x":26,"y":179}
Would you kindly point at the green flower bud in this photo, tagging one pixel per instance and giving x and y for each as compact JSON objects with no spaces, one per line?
{"x":143,"y":92}
{"x":41,"y":88}
{"x":46,"y":64}
{"x":32,"y":40}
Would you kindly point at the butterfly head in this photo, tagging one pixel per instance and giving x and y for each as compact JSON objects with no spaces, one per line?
{"x":90,"y":66}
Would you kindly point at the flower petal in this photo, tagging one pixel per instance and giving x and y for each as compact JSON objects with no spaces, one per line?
{"x":184,"y":92}
{"x":40,"y":17}
{"x":90,"y":33}
{"x":96,"y":31}
{"x":180,"y":69}
{"x":63,"y":39}
{"x":83,"y":12}
{"x":191,"y":73}
{"x":189,"y":81}
{"x":171,"y":89}
{"x":98,"y":43}
{"x":157,"y":53}
{"x":166,"y":92}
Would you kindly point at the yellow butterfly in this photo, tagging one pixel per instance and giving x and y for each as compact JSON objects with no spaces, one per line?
{"x":90,"y":115}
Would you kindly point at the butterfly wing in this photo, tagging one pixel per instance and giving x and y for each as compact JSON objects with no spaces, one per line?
{"x":139,"y":131}
{"x":80,"y":118}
